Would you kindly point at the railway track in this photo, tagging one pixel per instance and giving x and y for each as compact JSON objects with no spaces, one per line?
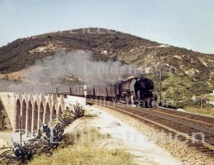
{"x":198,"y":130}
{"x":195,"y":118}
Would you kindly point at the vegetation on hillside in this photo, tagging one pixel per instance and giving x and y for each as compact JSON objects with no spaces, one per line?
{"x":182,"y":88}
{"x":188,"y":72}
{"x":22,"y":53}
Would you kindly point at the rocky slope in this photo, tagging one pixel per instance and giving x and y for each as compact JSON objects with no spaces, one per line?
{"x":183,"y":72}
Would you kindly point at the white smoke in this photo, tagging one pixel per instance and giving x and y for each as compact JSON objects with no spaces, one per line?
{"x":52,"y":71}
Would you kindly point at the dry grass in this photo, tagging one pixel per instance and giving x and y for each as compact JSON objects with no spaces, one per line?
{"x":82,"y":151}
{"x":89,"y":116}
{"x":86,"y":136}
{"x":203,"y":111}
{"x":84,"y":154}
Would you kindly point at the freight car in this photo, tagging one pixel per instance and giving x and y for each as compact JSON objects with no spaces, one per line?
{"x":136,"y":90}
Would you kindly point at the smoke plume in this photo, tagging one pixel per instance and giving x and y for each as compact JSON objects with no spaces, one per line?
{"x":72,"y":68}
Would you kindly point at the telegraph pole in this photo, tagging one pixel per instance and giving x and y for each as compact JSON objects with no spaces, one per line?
{"x":160,"y":78}
{"x":160,"y":85}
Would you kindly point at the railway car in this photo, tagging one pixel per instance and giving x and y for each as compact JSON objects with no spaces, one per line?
{"x":100,"y":91}
{"x":112,"y":92}
{"x":137,"y":90}
{"x":90,"y":91}
{"x":63,"y":89}
{"x":77,"y":90}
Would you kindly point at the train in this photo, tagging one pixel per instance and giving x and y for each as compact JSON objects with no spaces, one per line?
{"x":137,"y":90}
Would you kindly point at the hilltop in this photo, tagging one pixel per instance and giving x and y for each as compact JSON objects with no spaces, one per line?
{"x":103,"y":43}
{"x":184,"y":72}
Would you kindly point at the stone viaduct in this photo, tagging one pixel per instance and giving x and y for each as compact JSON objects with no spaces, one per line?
{"x":27,"y":111}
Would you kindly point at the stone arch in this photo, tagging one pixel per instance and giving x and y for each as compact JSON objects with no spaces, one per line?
{"x":41,"y":112}
{"x":47,"y":113}
{"x":29,"y":116}
{"x":59,"y":111}
{"x":24,"y":115}
{"x":54,"y":113}
{"x":35,"y":120}
{"x":18,"y":114}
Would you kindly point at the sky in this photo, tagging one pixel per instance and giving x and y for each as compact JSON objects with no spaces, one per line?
{"x":182,"y":23}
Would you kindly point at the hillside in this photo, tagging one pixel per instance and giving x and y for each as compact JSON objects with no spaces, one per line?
{"x":184,"y":72}
{"x":23,"y":52}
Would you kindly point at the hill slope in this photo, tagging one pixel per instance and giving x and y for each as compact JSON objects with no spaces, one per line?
{"x":184,"y":72}
{"x":23,"y":52}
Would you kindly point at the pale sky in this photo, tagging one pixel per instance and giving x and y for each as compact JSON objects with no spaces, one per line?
{"x":182,"y":23}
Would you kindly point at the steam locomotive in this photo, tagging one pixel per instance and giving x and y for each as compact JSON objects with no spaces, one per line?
{"x":138,"y":90}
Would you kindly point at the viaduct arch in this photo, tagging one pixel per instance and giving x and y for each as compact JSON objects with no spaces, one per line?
{"x":27,"y":111}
